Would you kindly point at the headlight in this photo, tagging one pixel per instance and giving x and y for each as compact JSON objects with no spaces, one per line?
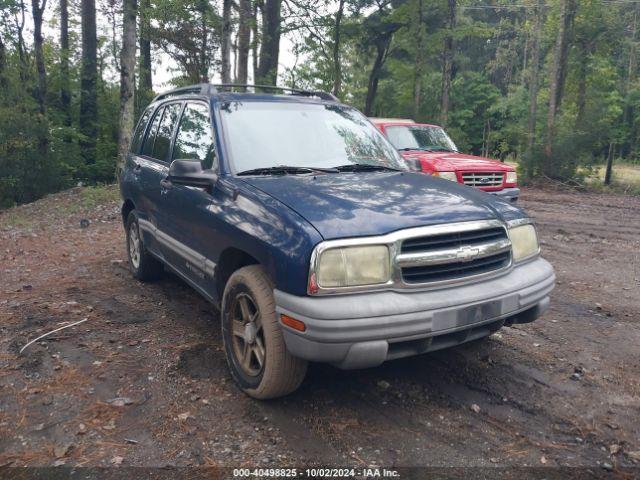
{"x":447,"y":175}
{"x":352,"y":266}
{"x":524,"y":242}
{"x":512,"y":177}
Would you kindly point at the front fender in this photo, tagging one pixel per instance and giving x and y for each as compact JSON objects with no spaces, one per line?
{"x":263,"y":227}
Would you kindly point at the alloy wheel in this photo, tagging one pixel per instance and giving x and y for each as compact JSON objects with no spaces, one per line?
{"x":247,"y":335}
{"x":134,"y":245}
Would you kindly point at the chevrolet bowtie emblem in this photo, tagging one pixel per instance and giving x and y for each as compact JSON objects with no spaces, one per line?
{"x":467,"y":253}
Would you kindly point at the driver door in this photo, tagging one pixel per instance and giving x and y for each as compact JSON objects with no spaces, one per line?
{"x":191,"y":224}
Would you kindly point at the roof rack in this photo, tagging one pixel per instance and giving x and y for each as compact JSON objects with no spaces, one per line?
{"x":208,"y":89}
{"x":199,"y":89}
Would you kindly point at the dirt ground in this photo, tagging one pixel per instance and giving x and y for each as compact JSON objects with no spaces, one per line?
{"x":143,"y":382}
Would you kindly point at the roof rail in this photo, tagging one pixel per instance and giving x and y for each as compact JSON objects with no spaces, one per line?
{"x":199,"y":89}
{"x":208,"y":89}
{"x":291,"y":91}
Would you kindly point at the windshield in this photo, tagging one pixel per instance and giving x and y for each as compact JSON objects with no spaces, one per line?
{"x":420,"y":137}
{"x":263,"y":135}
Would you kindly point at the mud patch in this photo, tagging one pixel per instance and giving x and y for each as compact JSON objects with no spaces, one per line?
{"x":32,"y":364}
{"x":202,"y":361}
{"x":39,"y":320}
{"x":118,"y":312}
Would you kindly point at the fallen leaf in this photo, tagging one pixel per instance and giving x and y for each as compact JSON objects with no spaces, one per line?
{"x":120,"y":401}
{"x":635,"y":455}
{"x":62,"y":450}
{"x":383,"y":384}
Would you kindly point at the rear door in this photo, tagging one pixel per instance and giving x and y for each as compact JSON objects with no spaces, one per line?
{"x":192,"y":214}
{"x":153,"y":167}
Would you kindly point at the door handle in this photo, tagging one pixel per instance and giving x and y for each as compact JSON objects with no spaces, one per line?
{"x":165,"y":185}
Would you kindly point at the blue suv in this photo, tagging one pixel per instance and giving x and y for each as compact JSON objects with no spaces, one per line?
{"x":292,"y":214}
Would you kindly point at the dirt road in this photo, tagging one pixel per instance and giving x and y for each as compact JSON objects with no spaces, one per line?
{"x":144,"y":383}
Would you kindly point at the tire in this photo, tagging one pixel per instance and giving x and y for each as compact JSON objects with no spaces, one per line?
{"x":144,"y":266}
{"x":256,"y":353}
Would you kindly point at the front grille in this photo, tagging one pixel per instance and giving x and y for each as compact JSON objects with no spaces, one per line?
{"x":449,"y":271}
{"x":483,"y":179}
{"x":456,"y":255}
{"x":453,"y":240}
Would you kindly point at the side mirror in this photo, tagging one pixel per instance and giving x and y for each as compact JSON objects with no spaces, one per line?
{"x":191,"y":173}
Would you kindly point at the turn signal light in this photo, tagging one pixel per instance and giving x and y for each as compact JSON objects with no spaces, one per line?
{"x":293,"y":323}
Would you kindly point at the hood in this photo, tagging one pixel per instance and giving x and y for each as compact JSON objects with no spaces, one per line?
{"x":374,"y":203}
{"x":451,"y":161}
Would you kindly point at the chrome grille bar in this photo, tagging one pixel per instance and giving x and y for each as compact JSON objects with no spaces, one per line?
{"x":483,"y":179}
{"x":453,"y":255}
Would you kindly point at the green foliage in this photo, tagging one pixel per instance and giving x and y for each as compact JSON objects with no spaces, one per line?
{"x":39,"y":155}
{"x":473,"y":96}
{"x":490,"y":98}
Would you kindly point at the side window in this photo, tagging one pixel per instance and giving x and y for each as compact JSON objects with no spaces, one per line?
{"x":163,"y":138}
{"x":194,"y":140}
{"x":147,"y":149}
{"x":136,"y":141}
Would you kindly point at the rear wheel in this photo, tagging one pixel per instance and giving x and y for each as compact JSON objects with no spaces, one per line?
{"x":256,"y":353}
{"x":144,"y":266}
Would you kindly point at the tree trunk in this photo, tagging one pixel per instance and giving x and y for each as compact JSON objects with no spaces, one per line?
{"x":337,"y":70}
{"x":270,"y":45}
{"x":447,"y":65}
{"x":244,"y":40}
{"x":609,"y":170}
{"x":419,"y":60}
{"x":257,"y":7}
{"x":127,"y":80}
{"x":382,"y":47}
{"x":88,"y":82}
{"x":533,"y":91}
{"x":145,"y":74}
{"x":225,"y":44}
{"x":627,"y":113}
{"x":558,"y":74}
{"x":585,"y":51}
{"x":204,"y":45}
{"x":567,"y":29}
{"x":65,"y":92}
{"x":22,"y":54}
{"x":525,"y":58}
{"x":41,"y":91}
{"x":3,"y":64}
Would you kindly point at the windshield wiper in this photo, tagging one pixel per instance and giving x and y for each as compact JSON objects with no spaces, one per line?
{"x":285,"y":170}
{"x":364,"y":167}
{"x":443,"y":149}
{"x":408,"y":149}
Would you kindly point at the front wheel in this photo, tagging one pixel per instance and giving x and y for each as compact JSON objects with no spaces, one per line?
{"x":256,"y":353}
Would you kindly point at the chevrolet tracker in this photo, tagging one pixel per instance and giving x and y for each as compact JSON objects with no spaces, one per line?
{"x":293,"y":214}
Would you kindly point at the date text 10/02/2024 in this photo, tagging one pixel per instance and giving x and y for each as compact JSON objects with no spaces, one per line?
{"x":316,"y":472}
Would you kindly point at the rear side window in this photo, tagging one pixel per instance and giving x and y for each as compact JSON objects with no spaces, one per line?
{"x":194,"y":140}
{"x":147,"y":149}
{"x":163,"y":137}
{"x":136,"y":141}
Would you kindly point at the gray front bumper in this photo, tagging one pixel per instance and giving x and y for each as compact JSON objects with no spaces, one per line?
{"x":510,"y":194}
{"x":364,"y":330}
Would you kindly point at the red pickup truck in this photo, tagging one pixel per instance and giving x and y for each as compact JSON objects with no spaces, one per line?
{"x":429,"y":149}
